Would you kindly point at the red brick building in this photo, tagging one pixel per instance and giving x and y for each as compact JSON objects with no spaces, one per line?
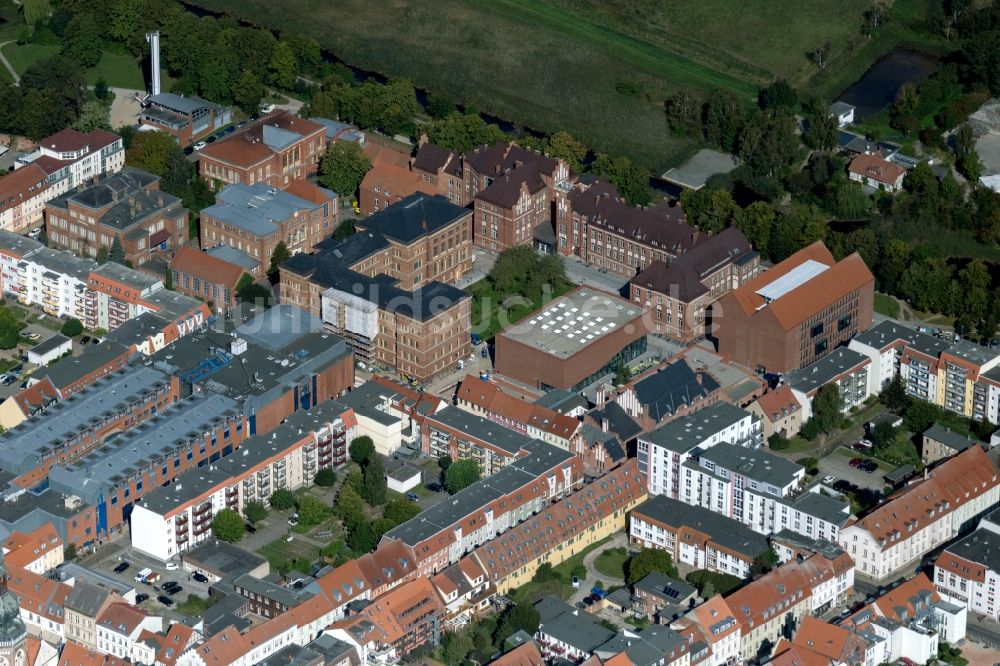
{"x":795,"y":313}
{"x":386,"y":184}
{"x":186,"y":119}
{"x":276,"y":150}
{"x":201,"y":275}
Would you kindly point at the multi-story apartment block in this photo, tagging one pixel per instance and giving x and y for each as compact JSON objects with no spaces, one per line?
{"x":845,"y":368}
{"x":173,"y":519}
{"x":696,"y":536}
{"x":663,"y":452}
{"x":795,"y":313}
{"x":463,"y":435}
{"x":255,"y":218}
{"x":384,"y":289}
{"x":71,"y":158}
{"x":186,"y":119}
{"x":962,"y":377}
{"x":85,"y":603}
{"x":679,"y":293}
{"x":968,"y":571}
{"x":940,"y":442}
{"x":42,"y":602}
{"x":443,"y":533}
{"x":924,"y":515}
{"x":274,"y":151}
{"x":766,"y":606}
{"x":23,"y":194}
{"x":128,"y":205}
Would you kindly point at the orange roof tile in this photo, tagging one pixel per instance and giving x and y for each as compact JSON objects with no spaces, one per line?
{"x":490,"y":398}
{"x":38,"y":594}
{"x":778,"y":403}
{"x":32,"y":646}
{"x":380,"y":154}
{"x":74,"y":654}
{"x":223,"y":648}
{"x":209,"y":268}
{"x":526,"y":654}
{"x":26,"y":548}
{"x":831,"y":641}
{"x":121,"y":618}
{"x":246,"y":147}
{"x":902,"y":596}
{"x":961,"y":567}
{"x":311,"y":192}
{"x":22,"y":184}
{"x":179,"y":637}
{"x":391,"y":180}
{"x":875,"y":167}
{"x":788,"y":654}
{"x":35,"y":396}
{"x":952,"y":483}
{"x":344,"y":583}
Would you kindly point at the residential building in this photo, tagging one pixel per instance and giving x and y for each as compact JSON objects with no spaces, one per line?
{"x":713,"y":631}
{"x":696,"y":536}
{"x":874,"y":171}
{"x":254,"y":219}
{"x":85,"y":603}
{"x":967,"y":572}
{"x":939,"y":442}
{"x":678,"y":294}
{"x":795,"y":313}
{"x":572,"y":341}
{"x":23,"y":194}
{"x":465,"y":589}
{"x":923,"y":515}
{"x":120,"y":626}
{"x":39,"y":551}
{"x":779,"y":412}
{"x":42,"y":602}
{"x":844,"y":368}
{"x":205,"y":276}
{"x":491,"y":507}
{"x":909,"y":622}
{"x":274,"y":151}
{"x":843,"y":112}
{"x":462,"y":435}
{"x":563,"y":529}
{"x":656,"y":597}
{"x":70,"y":158}
{"x":173,"y":519}
{"x":129,"y":206}
{"x":186,"y":119}
{"x":662,"y":452}
{"x":384,"y":288}
{"x":663,"y":394}
{"x":833,"y":644}
{"x":785,"y":596}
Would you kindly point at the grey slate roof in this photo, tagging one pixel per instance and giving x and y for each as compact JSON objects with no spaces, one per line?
{"x":561,"y":621}
{"x":949,"y":438}
{"x":724,"y":531}
{"x":672,"y":388}
{"x":562,"y":400}
{"x":981,"y":547}
{"x":756,"y":464}
{"x":234,"y":256}
{"x":825,"y":370}
{"x":688,"y":432}
{"x":818,"y":505}
{"x":53,"y":343}
{"x":258,"y":208}
{"x":618,"y":420}
{"x":181,"y":104}
{"x":509,"y":440}
{"x":87,"y":598}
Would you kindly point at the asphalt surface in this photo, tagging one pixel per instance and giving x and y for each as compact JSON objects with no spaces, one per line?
{"x":839,"y":465}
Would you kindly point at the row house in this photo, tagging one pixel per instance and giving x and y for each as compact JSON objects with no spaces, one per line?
{"x":465,"y":590}
{"x":678,"y":294}
{"x":39,"y":551}
{"x":23,"y":194}
{"x":41,"y":601}
{"x":663,"y":452}
{"x":696,"y":536}
{"x":664,"y":394}
{"x":713,"y":624}
{"x":178,"y":517}
{"x":119,"y":628}
{"x":274,"y":152}
{"x":70,"y":158}
{"x":463,"y":435}
{"x":968,"y":571}
{"x":255,"y":219}
{"x":760,"y":490}
{"x":796,"y":312}
{"x":443,"y":533}
{"x":924,"y":515}
{"x":486,"y":399}
{"x":765,"y":607}
{"x":962,"y":377}
{"x":561,"y":530}
{"x":779,"y":411}
{"x":84,"y":605}
{"x":128,"y":206}
{"x":831,"y":643}
{"x":844,"y":368}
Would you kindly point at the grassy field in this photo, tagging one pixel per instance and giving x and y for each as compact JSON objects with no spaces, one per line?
{"x":23,"y":56}
{"x":119,"y":71}
{"x":887,"y":305}
{"x":611,"y":563}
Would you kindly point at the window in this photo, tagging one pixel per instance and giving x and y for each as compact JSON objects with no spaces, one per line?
{"x":843,"y":322}
{"x":816,"y":330}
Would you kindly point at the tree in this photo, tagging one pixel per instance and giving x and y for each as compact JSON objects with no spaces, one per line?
{"x":827,"y":407}
{"x":444,"y":462}
{"x":349,"y":506}
{"x":631,"y":180}
{"x":168,"y":278}
{"x":228,"y":526}
{"x":251,"y":291}
{"x":457,"y":645}
{"x":343,"y":167}
{"x":778,"y":95}
{"x":777,"y":442}
{"x":683,"y":112}
{"x":279,"y":256}
{"x":519,"y":617}
{"x":117,"y":252}
{"x":375,"y":484}
{"x":821,"y":128}
{"x":648,"y":560}
{"x":102,"y":254}
{"x":248,"y":91}
{"x":768,"y":144}
{"x":82,"y":41}
{"x":93,"y":115}
{"x":399,"y":511}
{"x":821,"y":55}
{"x":124,"y":20}
{"x":283,"y":67}
{"x":756,"y":221}
{"x":151,"y":151}
{"x":439,"y":104}
{"x":563,"y":146}
{"x":709,"y":210}
{"x":35,"y":11}
{"x":723,"y":118}
{"x":325,"y":477}
{"x":622,"y":375}
{"x":362,"y":449}
{"x":360,"y":537}
{"x":894,"y":395}
{"x":101,"y":89}
{"x":874,"y":16}
{"x":764,"y":563}
{"x":10,"y":330}
{"x":460,"y":475}
{"x":312,"y":511}
{"x":254,"y":512}
{"x":461,"y":132}
{"x":72,"y":328}
{"x":981,"y":60}
{"x":282,"y":500}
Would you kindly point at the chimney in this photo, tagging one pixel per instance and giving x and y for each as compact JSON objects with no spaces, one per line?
{"x":154,"y":60}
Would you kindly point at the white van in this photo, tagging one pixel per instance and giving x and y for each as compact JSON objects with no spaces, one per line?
{"x":141,"y":576}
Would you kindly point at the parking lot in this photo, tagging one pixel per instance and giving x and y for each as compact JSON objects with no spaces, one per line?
{"x":838,"y":464}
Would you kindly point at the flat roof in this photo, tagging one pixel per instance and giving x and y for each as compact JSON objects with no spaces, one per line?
{"x":972,"y":352}
{"x":223,"y":559}
{"x":52,"y":344}
{"x":824,"y":507}
{"x":981,"y":547}
{"x":695,"y":172}
{"x":686,"y":433}
{"x":825,"y":370}
{"x":755,"y":464}
{"x":573,"y":322}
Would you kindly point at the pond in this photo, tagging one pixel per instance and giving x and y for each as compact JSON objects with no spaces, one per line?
{"x":877,"y":88}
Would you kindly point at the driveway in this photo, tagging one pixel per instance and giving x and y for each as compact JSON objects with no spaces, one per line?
{"x":3,"y":60}
{"x":619,"y":540}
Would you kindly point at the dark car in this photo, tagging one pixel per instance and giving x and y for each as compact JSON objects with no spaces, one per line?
{"x":85,"y":340}
{"x":856,"y":461}
{"x":165,"y":600}
{"x":869,"y":466}
{"x":173,"y":590}
{"x":200,"y":577}
{"x":211,"y":139}
{"x":434,"y":487}
{"x":166,"y":585}
{"x":843,"y":486}
{"x":413,"y":497}
{"x":122,"y":567}
{"x":229,"y":130}
{"x":142,"y":596}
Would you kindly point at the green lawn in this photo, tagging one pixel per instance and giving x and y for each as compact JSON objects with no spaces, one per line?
{"x":280,"y":551}
{"x":23,"y":56}
{"x":119,"y":71}
{"x":887,"y":305}
{"x":492,"y":312}
{"x":611,"y":563}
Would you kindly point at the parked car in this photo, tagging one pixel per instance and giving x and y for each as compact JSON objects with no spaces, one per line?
{"x":142,"y":596}
{"x":32,"y":335}
{"x":85,"y":339}
{"x":828,"y":479}
{"x":200,"y":577}
{"x":856,"y":461}
{"x":200,"y":145}
{"x":581,"y":605}
{"x":165,"y":600}
{"x":576,"y":581}
{"x":142,"y":576}
{"x":434,"y":487}
{"x":171,"y":566}
{"x":35,"y":233}
{"x":168,"y":584}
{"x":122,"y":567}
{"x":870,"y":466}
{"x":176,"y":589}
{"x":861,"y":446}
{"x":412,"y":497}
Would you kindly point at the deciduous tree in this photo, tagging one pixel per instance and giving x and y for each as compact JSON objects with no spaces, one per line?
{"x":648,"y":560}
{"x":362,"y":449}
{"x":254,"y":512}
{"x":375,"y":484}
{"x":460,"y":475}
{"x":228,"y":526}
{"x":343,"y":167}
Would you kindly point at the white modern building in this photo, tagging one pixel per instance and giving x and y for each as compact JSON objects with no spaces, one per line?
{"x":663,"y":452}
{"x":70,"y":158}
{"x":968,"y":571}
{"x":845,"y":368}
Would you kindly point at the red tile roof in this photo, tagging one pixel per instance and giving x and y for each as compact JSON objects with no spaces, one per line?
{"x":393,"y":181}
{"x":311,"y":192}
{"x":74,"y":654}
{"x":71,"y":140}
{"x":22,"y":184}
{"x":206,"y":267}
{"x":246,"y":147}
{"x":833,"y":642}
{"x":523,"y":655}
{"x":38,"y":594}
{"x":876,"y":168}
{"x":179,"y":637}
{"x":26,"y":548}
{"x":779,"y":403}
{"x":122,"y":618}
{"x":488,"y":397}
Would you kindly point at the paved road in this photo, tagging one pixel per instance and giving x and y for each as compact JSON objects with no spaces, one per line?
{"x":619,"y":540}
{"x":580,"y":273}
{"x":6,"y":63}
